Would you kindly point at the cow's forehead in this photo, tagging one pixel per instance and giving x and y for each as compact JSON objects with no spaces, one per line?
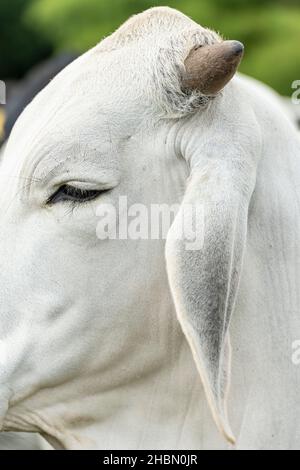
{"x":88,"y":90}
{"x":78,"y":113}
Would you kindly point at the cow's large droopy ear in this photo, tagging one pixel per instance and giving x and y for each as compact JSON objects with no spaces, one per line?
{"x":204,"y":275}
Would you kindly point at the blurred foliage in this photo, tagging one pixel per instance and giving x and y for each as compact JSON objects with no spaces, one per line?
{"x":270,"y":29}
{"x":21,"y":45}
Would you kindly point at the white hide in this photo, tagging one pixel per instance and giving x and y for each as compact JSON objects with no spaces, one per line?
{"x":293,"y":110}
{"x":22,"y":441}
{"x":288,"y":107}
{"x":95,"y":354}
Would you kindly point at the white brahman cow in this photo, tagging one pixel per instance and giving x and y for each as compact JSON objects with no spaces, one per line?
{"x":104,"y":343}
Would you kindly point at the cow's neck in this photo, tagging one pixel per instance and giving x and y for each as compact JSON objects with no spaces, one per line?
{"x":142,"y":396}
{"x":162,"y":406}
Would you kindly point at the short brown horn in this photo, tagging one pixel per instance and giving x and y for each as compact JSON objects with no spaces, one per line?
{"x":209,"y":68}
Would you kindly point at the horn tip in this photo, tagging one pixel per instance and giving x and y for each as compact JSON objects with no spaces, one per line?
{"x":237,"y":47}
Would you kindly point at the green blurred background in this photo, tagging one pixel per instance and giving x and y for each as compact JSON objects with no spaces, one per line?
{"x":32,"y":30}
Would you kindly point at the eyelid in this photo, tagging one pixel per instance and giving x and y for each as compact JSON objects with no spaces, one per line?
{"x":70,"y":193}
{"x":86,"y":186}
{"x":99,"y":179}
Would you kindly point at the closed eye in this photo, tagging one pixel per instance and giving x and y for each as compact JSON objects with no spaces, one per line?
{"x":71,"y":193}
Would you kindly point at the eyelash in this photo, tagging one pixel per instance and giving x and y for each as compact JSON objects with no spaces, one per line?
{"x":67,"y":193}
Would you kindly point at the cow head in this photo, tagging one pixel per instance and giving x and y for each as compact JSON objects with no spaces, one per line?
{"x":145,"y":113}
